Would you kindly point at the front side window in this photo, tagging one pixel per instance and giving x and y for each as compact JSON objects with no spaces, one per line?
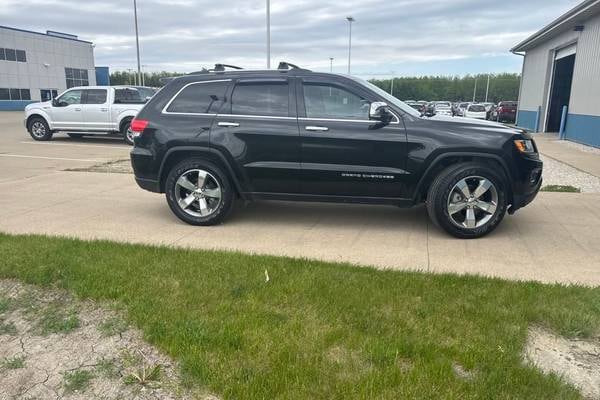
{"x":327,"y":101}
{"x":261,"y":98}
{"x":95,"y":96}
{"x":199,"y":98}
{"x":71,"y":97}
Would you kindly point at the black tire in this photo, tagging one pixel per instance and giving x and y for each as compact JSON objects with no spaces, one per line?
{"x":442,"y":188}
{"x":38,"y":129}
{"x":219,"y":210}
{"x":75,"y":135}
{"x":126,"y":132}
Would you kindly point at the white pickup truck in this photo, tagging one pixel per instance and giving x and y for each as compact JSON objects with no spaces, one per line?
{"x":88,"y":110}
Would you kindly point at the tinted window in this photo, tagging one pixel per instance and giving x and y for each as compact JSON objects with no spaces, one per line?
{"x":21,"y":56}
{"x":271,"y":99}
{"x":25,"y":94}
{"x":4,"y":94}
{"x":204,"y":97}
{"x":95,"y":96}
{"x":326,"y":101}
{"x":128,"y":96}
{"x":71,"y":97}
{"x":476,"y":108}
{"x":11,"y":54}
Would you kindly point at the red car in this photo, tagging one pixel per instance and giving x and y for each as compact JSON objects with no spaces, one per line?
{"x":506,"y":111}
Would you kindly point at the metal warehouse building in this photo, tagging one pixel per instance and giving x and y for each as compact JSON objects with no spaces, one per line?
{"x":36,"y":66}
{"x":561,"y":67}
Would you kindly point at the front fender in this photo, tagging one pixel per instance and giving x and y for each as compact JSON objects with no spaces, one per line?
{"x":38,"y":112}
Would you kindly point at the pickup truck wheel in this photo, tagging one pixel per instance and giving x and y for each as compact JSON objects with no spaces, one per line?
{"x":127,"y":132}
{"x":198,"y":192}
{"x":467,"y":200}
{"x":38,"y":129}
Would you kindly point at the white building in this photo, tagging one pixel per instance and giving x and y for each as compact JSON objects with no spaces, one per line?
{"x":561,"y":67}
{"x":36,"y":66}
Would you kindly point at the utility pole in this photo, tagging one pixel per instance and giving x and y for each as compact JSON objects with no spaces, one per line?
{"x":475,"y":90}
{"x":350,"y":21}
{"x":268,"y":34}
{"x":487,"y":88}
{"x":137,"y":40}
{"x":129,"y":70}
{"x":392,"y":85}
{"x":330,"y":64}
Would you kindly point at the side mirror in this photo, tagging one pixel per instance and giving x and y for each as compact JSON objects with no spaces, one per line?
{"x":54,"y":103}
{"x":378,"y":111}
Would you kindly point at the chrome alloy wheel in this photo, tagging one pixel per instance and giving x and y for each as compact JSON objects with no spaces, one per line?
{"x":472,"y":202}
{"x":198,"y":193}
{"x":38,"y":129}
{"x":130,"y":134}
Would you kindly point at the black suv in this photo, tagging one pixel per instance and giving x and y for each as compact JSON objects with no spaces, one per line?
{"x":214,"y":136}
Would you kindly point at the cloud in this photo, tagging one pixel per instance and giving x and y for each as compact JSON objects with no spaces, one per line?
{"x":404,"y":36}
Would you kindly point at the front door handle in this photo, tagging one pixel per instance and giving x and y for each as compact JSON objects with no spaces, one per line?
{"x":104,"y":109}
{"x":228,"y":124}
{"x":78,"y":109}
{"x":316,"y":128}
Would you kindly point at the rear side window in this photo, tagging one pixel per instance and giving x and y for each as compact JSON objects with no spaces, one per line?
{"x":95,"y":96}
{"x":477,"y":108}
{"x":261,"y":98}
{"x":128,"y":96}
{"x":199,"y":98}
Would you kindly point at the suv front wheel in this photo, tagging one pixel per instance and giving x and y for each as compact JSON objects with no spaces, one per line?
{"x":467,"y":200}
{"x":198,"y":192}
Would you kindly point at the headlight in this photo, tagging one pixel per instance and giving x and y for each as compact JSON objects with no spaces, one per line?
{"x":524,"y":146}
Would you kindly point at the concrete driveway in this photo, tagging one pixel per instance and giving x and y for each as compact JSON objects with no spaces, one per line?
{"x":555,"y":239}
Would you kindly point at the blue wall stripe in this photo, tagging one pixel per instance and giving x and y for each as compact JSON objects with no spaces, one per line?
{"x":527,"y":119}
{"x":14,"y":105}
{"x":583,"y":129}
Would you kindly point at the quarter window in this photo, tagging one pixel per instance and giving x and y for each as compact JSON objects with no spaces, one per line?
{"x":327,"y":101}
{"x":205,"y":97}
{"x":95,"y":96}
{"x":270,"y":99}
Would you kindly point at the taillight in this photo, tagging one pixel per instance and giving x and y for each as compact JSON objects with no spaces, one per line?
{"x":500,"y":109}
{"x":138,"y":125}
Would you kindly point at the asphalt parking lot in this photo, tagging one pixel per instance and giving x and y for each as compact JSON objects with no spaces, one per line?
{"x":555,"y":239}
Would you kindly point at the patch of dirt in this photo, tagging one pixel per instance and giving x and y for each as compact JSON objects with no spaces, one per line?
{"x":576,"y":360}
{"x":53,"y":346}
{"x":115,"y":167}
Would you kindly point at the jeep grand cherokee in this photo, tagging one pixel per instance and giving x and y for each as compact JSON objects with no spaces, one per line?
{"x":209,"y":138}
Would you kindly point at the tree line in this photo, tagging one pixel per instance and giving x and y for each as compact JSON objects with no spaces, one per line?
{"x":503,"y":86}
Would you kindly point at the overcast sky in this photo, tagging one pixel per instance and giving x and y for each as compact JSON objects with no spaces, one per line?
{"x":404,"y":37}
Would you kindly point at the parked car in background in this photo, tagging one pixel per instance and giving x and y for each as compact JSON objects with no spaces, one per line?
{"x":416,"y":106}
{"x":210,"y":138}
{"x":442,"y":109}
{"x":461,"y":109}
{"x":506,"y":111}
{"x":476,"y":111}
{"x":88,"y":110}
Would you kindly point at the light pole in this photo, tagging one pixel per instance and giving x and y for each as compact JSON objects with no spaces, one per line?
{"x":392,"y":84}
{"x":330,"y":64}
{"x":487,"y":88}
{"x":350,"y":21}
{"x":475,"y":90}
{"x":145,"y":66}
{"x":137,"y":40}
{"x":268,"y":34}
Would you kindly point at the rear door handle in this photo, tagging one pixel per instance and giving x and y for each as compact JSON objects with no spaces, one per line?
{"x":104,"y":109}
{"x":316,"y":128}
{"x":228,"y":124}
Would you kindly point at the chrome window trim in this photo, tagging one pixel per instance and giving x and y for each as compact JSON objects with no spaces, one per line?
{"x":164,"y":110}
{"x":255,"y":116}
{"x":370,"y":121}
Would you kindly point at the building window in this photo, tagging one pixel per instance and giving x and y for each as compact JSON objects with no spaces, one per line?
{"x":13,"y":55}
{"x":48,"y":94}
{"x":76,"y":77}
{"x":14,"y":94}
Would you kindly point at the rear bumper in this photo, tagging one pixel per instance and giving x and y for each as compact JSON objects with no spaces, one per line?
{"x":144,"y":165}
{"x":148,"y":184}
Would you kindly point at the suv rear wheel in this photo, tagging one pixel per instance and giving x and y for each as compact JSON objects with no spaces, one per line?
{"x":198,"y":192}
{"x":38,"y":129}
{"x":467,"y":200}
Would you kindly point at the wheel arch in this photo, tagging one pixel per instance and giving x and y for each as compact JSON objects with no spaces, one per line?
{"x":38,"y":115}
{"x":445,"y":160}
{"x":123,"y":118}
{"x":177,"y":154}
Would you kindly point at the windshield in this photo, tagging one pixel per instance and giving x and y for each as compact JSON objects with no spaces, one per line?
{"x":388,"y":97}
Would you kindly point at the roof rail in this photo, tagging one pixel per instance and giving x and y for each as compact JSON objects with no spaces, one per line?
{"x":287,"y":66}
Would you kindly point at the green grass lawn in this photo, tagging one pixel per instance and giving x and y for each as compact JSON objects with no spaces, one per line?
{"x":316,"y":330}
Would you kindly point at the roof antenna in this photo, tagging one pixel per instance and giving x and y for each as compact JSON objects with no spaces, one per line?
{"x":287,"y":65}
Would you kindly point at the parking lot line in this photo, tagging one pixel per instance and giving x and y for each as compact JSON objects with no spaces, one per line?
{"x":76,"y":145}
{"x":49,"y":158}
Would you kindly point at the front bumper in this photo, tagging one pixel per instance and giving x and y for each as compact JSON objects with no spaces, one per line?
{"x":528,"y":185}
